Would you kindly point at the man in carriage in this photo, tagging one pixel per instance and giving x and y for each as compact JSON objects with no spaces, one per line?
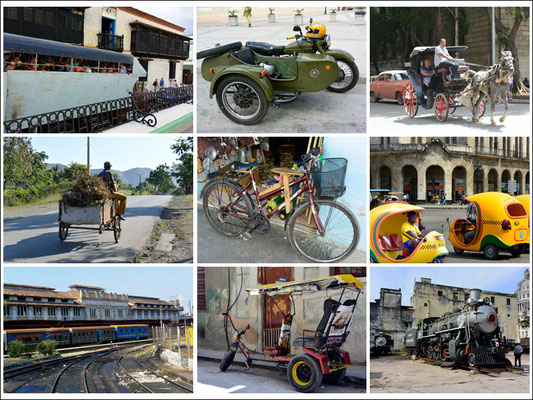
{"x":444,"y":60}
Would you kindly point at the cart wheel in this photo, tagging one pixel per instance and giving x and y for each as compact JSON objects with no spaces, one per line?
{"x":116,"y":228}
{"x":304,"y":373}
{"x":63,"y":231}
{"x":441,"y":107}
{"x":491,"y":252}
{"x":282,"y":215}
{"x":410,"y":100}
{"x":269,"y":209}
{"x":451,"y":105}
{"x":458,"y":251}
{"x":227,"y":360}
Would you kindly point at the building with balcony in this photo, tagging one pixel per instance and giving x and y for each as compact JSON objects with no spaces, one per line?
{"x":522,"y":299}
{"x":159,"y":45}
{"x":83,"y":303}
{"x":424,"y":166}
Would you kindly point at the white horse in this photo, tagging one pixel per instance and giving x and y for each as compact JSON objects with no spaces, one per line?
{"x":492,"y":83}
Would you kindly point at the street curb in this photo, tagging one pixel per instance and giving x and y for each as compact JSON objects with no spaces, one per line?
{"x":258,"y":364}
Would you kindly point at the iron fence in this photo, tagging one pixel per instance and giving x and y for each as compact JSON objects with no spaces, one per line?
{"x":97,"y":117}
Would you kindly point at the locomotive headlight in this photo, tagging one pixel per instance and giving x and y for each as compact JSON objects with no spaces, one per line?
{"x":491,"y":318}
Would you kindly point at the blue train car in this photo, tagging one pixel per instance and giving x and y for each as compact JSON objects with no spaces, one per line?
{"x":132,"y":332}
{"x":34,"y":336}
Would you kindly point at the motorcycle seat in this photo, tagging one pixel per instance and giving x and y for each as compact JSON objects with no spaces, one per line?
{"x":266,"y":49}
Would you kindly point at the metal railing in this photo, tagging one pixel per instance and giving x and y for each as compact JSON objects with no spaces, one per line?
{"x":98,"y":117}
{"x":108,"y":41}
{"x":271,"y":336}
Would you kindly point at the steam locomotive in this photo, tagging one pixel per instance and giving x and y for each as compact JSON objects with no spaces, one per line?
{"x":381,"y":344}
{"x":469,"y":337}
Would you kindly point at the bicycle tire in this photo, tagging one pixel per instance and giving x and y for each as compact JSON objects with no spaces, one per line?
{"x":227,"y":360}
{"x":317,"y":247}
{"x":216,"y":220}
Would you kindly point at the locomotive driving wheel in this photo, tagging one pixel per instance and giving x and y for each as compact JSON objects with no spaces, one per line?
{"x":441,"y":107}
{"x":472,"y":360}
{"x":410,"y":100}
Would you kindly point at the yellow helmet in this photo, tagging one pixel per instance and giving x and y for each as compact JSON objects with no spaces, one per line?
{"x":317,"y":31}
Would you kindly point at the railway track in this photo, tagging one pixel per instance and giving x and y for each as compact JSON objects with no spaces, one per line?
{"x":147,"y":378}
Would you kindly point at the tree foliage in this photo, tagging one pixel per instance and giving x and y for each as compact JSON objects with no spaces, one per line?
{"x":47,"y":347}
{"x":182,"y":170}
{"x":161,"y":179}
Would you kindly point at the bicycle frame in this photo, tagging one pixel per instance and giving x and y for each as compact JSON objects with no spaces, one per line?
{"x":267,"y":195}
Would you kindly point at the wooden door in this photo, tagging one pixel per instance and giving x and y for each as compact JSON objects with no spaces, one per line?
{"x":274,"y":309}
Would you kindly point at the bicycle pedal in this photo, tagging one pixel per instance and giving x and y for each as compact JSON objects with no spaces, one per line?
{"x":246,"y":236}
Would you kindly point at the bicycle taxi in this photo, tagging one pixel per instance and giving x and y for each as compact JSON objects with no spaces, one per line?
{"x":322,"y":360}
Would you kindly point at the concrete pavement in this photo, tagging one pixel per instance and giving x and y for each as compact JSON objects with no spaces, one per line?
{"x":311,"y":112}
{"x":35,"y":239}
{"x":214,"y":247}
{"x":390,"y":119}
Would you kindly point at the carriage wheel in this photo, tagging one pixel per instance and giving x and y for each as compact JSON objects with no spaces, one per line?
{"x":441,"y":107}
{"x":116,"y":228}
{"x":451,"y":105}
{"x":410,"y":100}
{"x":63,"y":231}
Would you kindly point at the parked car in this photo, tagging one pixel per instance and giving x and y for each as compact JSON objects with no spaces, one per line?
{"x":389,"y":85}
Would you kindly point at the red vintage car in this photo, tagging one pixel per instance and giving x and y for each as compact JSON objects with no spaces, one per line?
{"x":389,"y":85}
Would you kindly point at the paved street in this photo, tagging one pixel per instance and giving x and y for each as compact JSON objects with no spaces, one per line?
{"x":434,"y":219}
{"x":390,"y":119}
{"x":214,"y":247}
{"x":311,"y":112}
{"x":238,"y":379}
{"x":33,"y":238}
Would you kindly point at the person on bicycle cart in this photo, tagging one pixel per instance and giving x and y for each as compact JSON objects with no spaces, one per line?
{"x":107,"y":177}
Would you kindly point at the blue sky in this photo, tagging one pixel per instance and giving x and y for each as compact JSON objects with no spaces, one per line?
{"x":498,"y":279}
{"x":123,"y":152}
{"x":182,"y":16}
{"x":167,"y":283}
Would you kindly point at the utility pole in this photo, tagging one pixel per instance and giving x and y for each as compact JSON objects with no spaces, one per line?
{"x":456,"y":26}
{"x":88,"y":154}
{"x":493,"y":37}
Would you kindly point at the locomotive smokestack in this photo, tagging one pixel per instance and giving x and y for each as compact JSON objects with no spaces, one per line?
{"x":475,"y":295}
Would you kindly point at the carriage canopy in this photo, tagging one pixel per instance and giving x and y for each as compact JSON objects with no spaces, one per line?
{"x":308,"y":285}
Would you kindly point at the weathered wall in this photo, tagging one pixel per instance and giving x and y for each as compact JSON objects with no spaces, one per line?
{"x":248,"y":310}
{"x":428,"y":302}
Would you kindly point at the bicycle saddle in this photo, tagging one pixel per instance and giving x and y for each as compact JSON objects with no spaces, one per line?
{"x":239,"y":166}
{"x":266,"y":49}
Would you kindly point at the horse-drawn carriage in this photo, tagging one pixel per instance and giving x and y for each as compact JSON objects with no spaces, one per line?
{"x":443,"y":92}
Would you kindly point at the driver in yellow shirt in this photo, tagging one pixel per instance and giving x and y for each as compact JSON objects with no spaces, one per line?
{"x":411,"y":235}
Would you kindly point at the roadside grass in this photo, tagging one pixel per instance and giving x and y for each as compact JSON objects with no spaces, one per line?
{"x":52,"y":198}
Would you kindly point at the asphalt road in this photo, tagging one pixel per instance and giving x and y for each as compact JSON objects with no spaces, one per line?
{"x":34,"y":238}
{"x":435,"y":220}
{"x":312,"y":112}
{"x":214,"y":247}
{"x":238,"y":379}
{"x":390,"y":119}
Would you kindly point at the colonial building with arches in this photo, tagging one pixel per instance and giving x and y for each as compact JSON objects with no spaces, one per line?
{"x":425,"y":166}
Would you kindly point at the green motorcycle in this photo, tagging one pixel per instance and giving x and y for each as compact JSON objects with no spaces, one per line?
{"x":247,"y":78}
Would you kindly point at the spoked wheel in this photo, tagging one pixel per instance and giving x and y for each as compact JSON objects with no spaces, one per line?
{"x":481,"y":109}
{"x":451,"y":105}
{"x":242,"y":100}
{"x":227,"y":360}
{"x":63,"y":231}
{"x":348,"y":76}
{"x":341,"y":231}
{"x":117,"y":229}
{"x":472,"y":360}
{"x":441,"y":107}
{"x":231,"y":221}
{"x":410,"y":100}
{"x":304,"y":373}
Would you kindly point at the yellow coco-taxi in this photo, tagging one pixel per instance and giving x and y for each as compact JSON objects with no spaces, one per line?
{"x":386,"y":244}
{"x":494,"y":221}
{"x":525,"y":199}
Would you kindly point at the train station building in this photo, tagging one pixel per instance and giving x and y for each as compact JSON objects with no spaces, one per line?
{"x":424,"y":166}
{"x":27,"y":306}
{"x":522,"y":298}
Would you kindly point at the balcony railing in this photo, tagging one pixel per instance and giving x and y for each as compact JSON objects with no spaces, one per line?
{"x":107,"y":41}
